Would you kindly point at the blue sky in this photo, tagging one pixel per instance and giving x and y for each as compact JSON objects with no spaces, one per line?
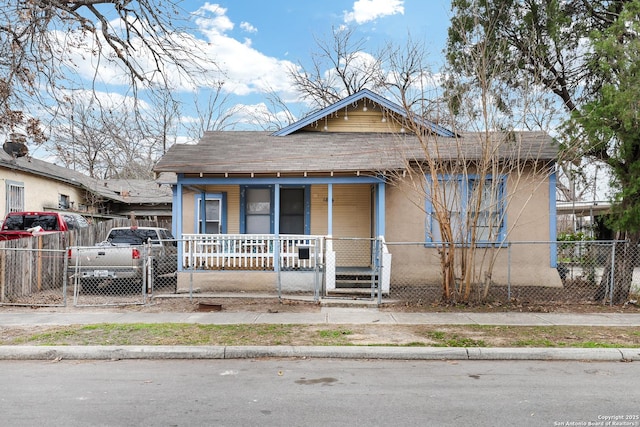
{"x":256,"y":41}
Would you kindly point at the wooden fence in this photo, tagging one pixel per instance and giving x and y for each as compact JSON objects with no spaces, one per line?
{"x":32,"y":268}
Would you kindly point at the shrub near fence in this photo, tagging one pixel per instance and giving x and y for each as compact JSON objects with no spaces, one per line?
{"x":33,"y":270}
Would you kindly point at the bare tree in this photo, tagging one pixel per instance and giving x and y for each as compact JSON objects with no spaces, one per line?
{"x":43,"y":42}
{"x":105,"y":144}
{"x":212,"y":114}
{"x":461,"y":182}
{"x":339,"y":68}
{"x":272,"y":115}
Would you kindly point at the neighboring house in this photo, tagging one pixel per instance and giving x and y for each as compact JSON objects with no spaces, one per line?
{"x":29,"y":184}
{"x":260,"y":201}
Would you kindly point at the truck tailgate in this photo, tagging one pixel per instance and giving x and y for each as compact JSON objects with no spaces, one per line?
{"x":104,"y":257}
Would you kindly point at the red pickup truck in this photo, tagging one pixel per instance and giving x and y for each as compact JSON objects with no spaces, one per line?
{"x":26,"y":224}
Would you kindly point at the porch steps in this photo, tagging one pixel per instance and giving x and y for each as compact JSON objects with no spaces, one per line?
{"x":353,"y":282}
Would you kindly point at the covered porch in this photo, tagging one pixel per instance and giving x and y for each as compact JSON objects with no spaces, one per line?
{"x":309,"y":261}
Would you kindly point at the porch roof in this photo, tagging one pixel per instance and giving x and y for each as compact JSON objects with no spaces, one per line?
{"x":262,"y":152}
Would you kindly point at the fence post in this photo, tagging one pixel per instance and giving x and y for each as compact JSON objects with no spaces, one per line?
{"x":380,"y":267}
{"x":509,"y":271}
{"x":316,"y":281}
{"x":612,"y":274}
{"x":2,"y":273}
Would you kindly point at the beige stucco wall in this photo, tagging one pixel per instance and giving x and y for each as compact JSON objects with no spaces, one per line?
{"x":527,"y":220}
{"x":39,"y":193}
{"x":227,"y":281}
{"x":233,"y":207}
{"x":351,"y":209}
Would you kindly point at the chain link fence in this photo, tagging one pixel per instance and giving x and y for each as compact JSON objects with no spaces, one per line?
{"x":109,"y":274}
{"x":35,"y":271}
{"x":520,"y":273}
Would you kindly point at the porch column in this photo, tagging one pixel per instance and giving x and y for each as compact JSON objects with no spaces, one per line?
{"x":176,"y":212}
{"x":330,"y":209}
{"x":276,"y":227}
{"x":380,"y":206}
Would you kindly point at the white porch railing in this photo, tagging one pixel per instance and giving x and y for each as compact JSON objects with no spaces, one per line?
{"x":250,"y":251}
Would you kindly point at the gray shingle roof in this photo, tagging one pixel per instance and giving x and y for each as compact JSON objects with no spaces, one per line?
{"x":261,"y":152}
{"x":122,"y":191}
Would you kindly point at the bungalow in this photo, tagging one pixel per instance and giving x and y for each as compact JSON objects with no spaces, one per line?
{"x":262,"y":211}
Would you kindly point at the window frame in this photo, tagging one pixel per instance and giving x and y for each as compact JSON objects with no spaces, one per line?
{"x":466,"y":190}
{"x":272,"y":219}
{"x":200,"y":217}
{"x":10,"y":200}
{"x":64,"y":201}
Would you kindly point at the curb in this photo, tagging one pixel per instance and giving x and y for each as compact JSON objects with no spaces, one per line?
{"x":332,"y":352}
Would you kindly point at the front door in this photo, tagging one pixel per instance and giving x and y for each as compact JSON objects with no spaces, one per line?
{"x":292,"y":211}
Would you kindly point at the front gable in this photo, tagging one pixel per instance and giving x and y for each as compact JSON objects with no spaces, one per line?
{"x":363,"y":111}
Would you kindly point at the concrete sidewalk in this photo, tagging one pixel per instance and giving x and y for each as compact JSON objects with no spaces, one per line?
{"x":326,"y":315}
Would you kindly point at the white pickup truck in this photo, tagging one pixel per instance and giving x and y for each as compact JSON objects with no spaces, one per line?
{"x":124,"y":259}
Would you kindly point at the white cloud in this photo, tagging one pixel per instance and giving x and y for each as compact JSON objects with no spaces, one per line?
{"x":246,"y":70}
{"x":248,"y":27}
{"x":211,"y":18}
{"x":369,"y":10}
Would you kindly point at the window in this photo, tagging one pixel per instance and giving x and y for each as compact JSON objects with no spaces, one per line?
{"x":75,"y":221}
{"x":63,"y":202}
{"x":15,"y":196}
{"x":258,"y":210}
{"x":469,"y":201}
{"x":210,"y":215}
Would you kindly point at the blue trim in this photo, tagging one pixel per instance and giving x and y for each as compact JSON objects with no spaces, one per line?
{"x":281,"y":181}
{"x":380,"y":208}
{"x":174,"y":211}
{"x":243,"y":206}
{"x":203,"y":215}
{"x":365,"y":93}
{"x":431,"y":222}
{"x":243,"y":209}
{"x":177,"y":204}
{"x":275,"y":210}
{"x":307,"y":209}
{"x":553,"y":219}
{"x":330,"y":209}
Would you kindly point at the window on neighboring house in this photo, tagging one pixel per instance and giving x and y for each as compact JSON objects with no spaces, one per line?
{"x":15,"y":196}
{"x":64,"y":202}
{"x":468,"y":201}
{"x":210,"y":218}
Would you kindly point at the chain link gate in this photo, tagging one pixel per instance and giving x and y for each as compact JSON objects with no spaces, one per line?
{"x":354,"y":268}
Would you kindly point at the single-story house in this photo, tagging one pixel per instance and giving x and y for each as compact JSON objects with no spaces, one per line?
{"x":335,"y":183}
{"x":30,"y":184}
